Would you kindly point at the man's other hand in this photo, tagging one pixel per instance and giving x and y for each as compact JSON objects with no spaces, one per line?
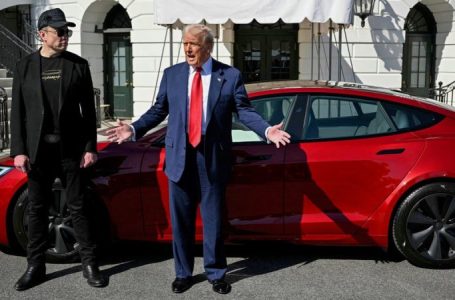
{"x":278,"y":136}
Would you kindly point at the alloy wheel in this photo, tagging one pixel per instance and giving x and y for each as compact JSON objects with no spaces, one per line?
{"x":431,"y":226}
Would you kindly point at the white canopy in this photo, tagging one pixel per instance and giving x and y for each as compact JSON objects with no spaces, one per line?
{"x":244,"y":11}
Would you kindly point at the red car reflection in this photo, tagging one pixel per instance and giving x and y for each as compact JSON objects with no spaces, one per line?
{"x":366,"y":166}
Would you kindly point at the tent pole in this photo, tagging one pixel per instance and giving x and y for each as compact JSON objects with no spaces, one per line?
{"x":330,"y":49}
{"x":350,"y":56}
{"x":340,"y":37}
{"x":312,"y":49}
{"x":171,"y":53}
{"x":161,"y":60}
{"x":319,"y":51}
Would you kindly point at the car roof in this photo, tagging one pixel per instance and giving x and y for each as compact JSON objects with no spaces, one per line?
{"x":259,"y":87}
{"x":263,"y":86}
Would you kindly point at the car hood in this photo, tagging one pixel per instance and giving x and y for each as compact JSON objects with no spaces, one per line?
{"x":7,"y":161}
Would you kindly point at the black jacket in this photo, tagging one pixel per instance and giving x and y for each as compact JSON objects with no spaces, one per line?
{"x":77,"y":117}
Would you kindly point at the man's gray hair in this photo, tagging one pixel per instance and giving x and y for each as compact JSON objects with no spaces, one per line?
{"x":201,"y":30}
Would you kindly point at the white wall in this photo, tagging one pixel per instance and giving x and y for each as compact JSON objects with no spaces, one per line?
{"x":445,"y":39}
{"x":374,"y":53}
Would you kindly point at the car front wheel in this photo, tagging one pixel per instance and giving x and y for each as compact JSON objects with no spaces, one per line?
{"x":62,"y":244}
{"x":424,"y":226}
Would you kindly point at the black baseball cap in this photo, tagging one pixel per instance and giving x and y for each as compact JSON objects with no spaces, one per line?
{"x":54,"y":18}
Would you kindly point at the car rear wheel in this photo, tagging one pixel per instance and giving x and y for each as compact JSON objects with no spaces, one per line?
{"x":424,"y":226}
{"x":62,"y":244}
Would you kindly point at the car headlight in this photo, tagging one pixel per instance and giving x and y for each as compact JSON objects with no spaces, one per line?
{"x":4,"y":170}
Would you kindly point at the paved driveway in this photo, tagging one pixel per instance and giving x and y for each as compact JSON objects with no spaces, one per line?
{"x":258,"y":271}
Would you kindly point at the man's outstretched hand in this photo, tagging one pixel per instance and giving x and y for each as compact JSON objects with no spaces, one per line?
{"x":278,"y":136}
{"x":121,"y":133}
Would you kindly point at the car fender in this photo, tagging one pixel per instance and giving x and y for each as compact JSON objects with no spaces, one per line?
{"x":379,"y":223}
{"x":10,"y":185}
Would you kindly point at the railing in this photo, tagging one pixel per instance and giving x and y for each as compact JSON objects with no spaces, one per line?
{"x":444,"y":93}
{"x":4,"y":126}
{"x":31,"y":34}
{"x":12,"y":49}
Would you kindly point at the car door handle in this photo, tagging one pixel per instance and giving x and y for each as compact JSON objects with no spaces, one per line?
{"x":253,"y":158}
{"x":390,"y":151}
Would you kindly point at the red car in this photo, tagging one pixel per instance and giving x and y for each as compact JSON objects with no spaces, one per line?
{"x":366,"y":166}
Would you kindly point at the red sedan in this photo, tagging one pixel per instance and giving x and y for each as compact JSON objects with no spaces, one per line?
{"x":366,"y":166}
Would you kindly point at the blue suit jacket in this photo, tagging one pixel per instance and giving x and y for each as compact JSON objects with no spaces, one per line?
{"x":227,"y":95}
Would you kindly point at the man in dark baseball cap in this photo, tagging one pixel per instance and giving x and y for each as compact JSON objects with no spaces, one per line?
{"x":53,"y":134}
{"x":54,"y":18}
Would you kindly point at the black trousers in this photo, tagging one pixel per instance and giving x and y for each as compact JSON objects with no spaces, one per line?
{"x":48,"y":166}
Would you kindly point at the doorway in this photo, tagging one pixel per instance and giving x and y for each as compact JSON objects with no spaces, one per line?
{"x":419,"y":52}
{"x":119,"y":75}
{"x":265,"y":52}
{"x":118,"y":79}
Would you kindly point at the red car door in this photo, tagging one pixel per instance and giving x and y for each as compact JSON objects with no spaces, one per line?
{"x":346,"y":161}
{"x":255,"y":191}
{"x":256,"y":188}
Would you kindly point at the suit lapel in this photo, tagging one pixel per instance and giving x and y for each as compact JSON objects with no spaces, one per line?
{"x":35,"y":69}
{"x":67,"y":72}
{"x":216,"y":82}
{"x":183,"y":77}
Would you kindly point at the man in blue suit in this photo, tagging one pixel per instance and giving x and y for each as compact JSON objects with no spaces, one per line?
{"x":199,"y":96}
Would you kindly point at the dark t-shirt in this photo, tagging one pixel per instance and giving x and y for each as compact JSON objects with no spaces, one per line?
{"x":51,"y":77}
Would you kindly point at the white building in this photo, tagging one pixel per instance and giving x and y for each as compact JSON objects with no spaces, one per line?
{"x":406,"y":45}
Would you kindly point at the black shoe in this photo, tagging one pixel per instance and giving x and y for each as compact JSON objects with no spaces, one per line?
{"x":220,"y":286}
{"x":34,"y":275}
{"x":94,"y":277}
{"x":181,"y":284}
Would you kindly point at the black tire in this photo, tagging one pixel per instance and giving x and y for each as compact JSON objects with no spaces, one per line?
{"x":62,"y":246}
{"x":424,"y":226}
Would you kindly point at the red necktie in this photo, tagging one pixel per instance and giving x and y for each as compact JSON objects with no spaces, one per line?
{"x":195,"y":122}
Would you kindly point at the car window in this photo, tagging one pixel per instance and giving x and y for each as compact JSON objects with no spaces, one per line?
{"x":273,"y":109}
{"x":331,"y":117}
{"x":406,"y":117}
